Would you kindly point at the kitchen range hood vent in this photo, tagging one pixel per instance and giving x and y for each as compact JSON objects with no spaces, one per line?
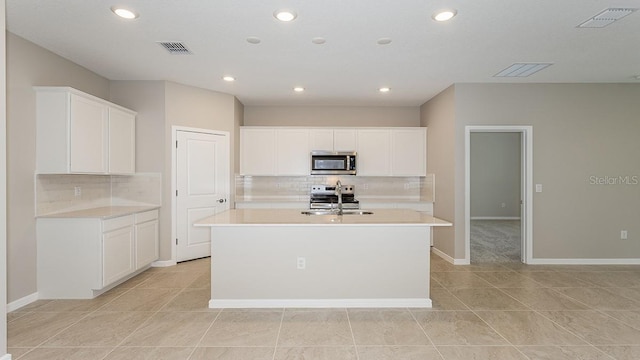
{"x":606,"y":17}
{"x":522,"y":69}
{"x":175,"y":47}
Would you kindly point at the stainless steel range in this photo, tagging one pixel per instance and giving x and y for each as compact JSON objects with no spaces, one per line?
{"x":328,"y":197}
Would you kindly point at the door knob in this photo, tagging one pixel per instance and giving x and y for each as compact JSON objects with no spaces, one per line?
{"x":222,"y":200}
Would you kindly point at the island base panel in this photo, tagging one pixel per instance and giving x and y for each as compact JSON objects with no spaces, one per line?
{"x":345,"y":266}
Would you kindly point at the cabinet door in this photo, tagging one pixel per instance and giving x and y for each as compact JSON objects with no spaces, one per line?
{"x":88,"y":136}
{"x":374,"y":158}
{"x":292,"y":152}
{"x":122,"y":142}
{"x":257,"y":151}
{"x":321,"y":139}
{"x":117,"y":254}
{"x":146,"y":243}
{"x":408,"y":152}
{"x":344,"y":140}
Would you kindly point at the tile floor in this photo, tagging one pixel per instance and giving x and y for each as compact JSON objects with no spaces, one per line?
{"x":483,"y":311}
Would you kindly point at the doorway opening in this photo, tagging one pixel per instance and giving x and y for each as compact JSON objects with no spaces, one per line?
{"x":498,"y":193}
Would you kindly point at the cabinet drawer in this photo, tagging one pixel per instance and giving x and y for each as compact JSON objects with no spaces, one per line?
{"x":117,"y":223}
{"x":146,"y":216}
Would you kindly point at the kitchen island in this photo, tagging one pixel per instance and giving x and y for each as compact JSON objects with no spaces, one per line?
{"x":265,"y":258}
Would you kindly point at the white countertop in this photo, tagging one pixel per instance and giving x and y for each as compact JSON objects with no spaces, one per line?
{"x":104,"y":212}
{"x":279,"y":217}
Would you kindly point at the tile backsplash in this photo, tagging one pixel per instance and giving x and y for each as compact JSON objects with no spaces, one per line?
{"x":297,"y":187}
{"x":57,"y":193}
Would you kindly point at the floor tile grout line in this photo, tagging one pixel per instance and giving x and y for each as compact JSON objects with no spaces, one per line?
{"x":154,"y":313}
{"x":353,"y":336}
{"x":275,"y":347}
{"x":483,"y":320}
{"x":530,"y":309}
{"x":425,"y":333}
{"x":204,"y":334}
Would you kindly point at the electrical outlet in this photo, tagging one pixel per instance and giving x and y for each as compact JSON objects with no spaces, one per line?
{"x":623,"y":234}
{"x":365,"y":186}
{"x":503,"y":205}
{"x":301,"y":263}
{"x":77,"y":191}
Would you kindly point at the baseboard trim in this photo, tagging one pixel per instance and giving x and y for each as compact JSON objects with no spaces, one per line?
{"x":540,"y":261}
{"x":495,"y":218}
{"x":163,"y":263}
{"x":24,"y":301}
{"x":448,"y":258}
{"x":319,"y":303}
{"x":6,"y":357}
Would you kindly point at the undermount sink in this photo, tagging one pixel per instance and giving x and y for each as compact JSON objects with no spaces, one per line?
{"x":336,"y":212}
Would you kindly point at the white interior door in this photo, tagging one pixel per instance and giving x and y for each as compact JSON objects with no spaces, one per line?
{"x":202,"y":183}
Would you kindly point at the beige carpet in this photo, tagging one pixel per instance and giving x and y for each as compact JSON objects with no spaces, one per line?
{"x":495,"y":241}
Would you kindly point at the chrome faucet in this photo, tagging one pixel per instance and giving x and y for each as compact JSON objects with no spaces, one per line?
{"x":339,"y":193}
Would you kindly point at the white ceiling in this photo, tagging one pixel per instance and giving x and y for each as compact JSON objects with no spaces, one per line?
{"x":424,"y":58}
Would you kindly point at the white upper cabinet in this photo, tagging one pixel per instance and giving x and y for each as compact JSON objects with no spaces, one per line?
{"x":408,"y":152}
{"x":333,"y":139}
{"x":88,"y":137}
{"x":345,"y":140}
{"x":321,"y":139}
{"x":257,"y":151}
{"x":284,"y":151}
{"x":292,"y":152}
{"x":272,"y":151}
{"x":122,"y":142}
{"x":374,"y":158}
{"x":80,"y":133}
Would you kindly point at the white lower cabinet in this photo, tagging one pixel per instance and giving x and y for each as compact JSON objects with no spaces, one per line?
{"x":117,"y":254}
{"x":79,"y":258}
{"x":146,"y":231}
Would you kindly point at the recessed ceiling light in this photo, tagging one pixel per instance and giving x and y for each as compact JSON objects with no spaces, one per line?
{"x":285,"y":15}
{"x":298,"y":89}
{"x":384,"y":41}
{"x":318,"y":40}
{"x":228,"y":78}
{"x":124,"y":13}
{"x":384,"y":89}
{"x":444,"y":15}
{"x":253,"y":40}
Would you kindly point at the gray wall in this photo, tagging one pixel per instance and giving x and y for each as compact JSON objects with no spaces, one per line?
{"x":160,"y":106}
{"x":579,"y":131}
{"x":438,"y":115}
{"x":29,"y":65}
{"x":3,"y":188}
{"x":331,"y":116}
{"x":495,"y":175}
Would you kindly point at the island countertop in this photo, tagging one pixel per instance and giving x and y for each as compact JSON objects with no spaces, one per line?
{"x":280,"y":217}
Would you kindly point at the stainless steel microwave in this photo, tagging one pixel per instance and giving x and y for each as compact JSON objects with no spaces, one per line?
{"x":333,"y":163}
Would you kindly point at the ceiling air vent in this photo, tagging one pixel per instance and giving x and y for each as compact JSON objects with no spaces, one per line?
{"x":175,"y":47}
{"x":522,"y":69}
{"x":606,"y":17}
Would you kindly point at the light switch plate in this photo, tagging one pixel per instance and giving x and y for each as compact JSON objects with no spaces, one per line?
{"x":538,"y":187}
